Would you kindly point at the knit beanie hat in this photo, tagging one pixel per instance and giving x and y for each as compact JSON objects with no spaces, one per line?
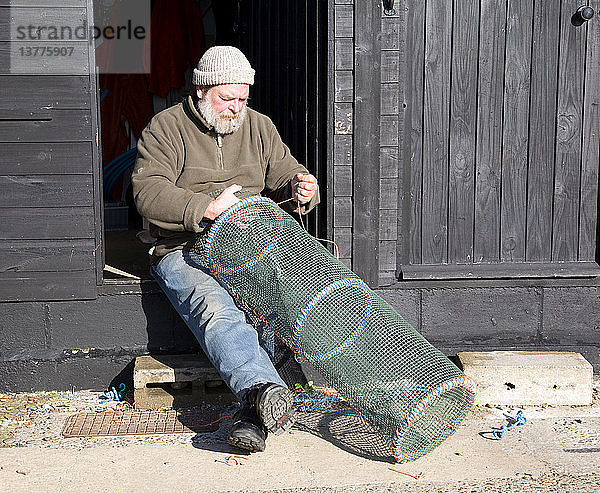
{"x":223,"y":65}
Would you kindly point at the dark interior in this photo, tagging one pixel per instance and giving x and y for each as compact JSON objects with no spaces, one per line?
{"x":280,"y":39}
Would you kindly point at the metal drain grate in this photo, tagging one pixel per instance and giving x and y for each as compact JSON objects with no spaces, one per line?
{"x":120,"y":423}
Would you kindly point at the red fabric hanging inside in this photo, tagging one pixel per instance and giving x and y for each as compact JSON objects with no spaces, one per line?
{"x":177,"y":42}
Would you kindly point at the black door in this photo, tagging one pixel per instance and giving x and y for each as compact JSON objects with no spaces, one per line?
{"x":286,"y":42}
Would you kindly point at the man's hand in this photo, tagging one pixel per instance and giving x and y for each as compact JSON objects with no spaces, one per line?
{"x":304,"y":187}
{"x":223,"y":202}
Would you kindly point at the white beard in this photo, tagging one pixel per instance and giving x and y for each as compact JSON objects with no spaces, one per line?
{"x":220,"y":124}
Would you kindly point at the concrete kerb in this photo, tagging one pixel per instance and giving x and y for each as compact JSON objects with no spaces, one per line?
{"x":529,"y":377}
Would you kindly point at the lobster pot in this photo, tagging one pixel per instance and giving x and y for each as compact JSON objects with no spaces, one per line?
{"x":405,"y":389}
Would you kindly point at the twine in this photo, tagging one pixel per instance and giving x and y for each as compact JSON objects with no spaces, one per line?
{"x":337,"y":250}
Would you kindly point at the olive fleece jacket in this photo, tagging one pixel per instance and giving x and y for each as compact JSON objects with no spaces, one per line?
{"x":181,"y":160}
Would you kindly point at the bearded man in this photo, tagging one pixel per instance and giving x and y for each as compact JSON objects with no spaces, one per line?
{"x":213,"y":144}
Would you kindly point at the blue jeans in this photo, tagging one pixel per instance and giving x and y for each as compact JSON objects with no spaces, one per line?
{"x":231,"y":344}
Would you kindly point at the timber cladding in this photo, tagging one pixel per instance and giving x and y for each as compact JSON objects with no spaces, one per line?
{"x":503,"y":156}
{"x":486,"y":120}
{"x":49,"y":174}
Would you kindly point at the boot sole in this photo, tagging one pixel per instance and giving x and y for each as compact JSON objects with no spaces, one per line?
{"x":275,"y":409}
{"x":246,"y":443}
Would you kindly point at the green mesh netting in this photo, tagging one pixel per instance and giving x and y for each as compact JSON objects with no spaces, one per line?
{"x":404,"y":388}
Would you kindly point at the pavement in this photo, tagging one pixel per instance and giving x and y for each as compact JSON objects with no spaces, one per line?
{"x":558,"y":449}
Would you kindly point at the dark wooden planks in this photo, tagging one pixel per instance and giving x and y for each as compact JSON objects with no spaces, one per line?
{"x":502,"y":270}
{"x":40,"y":39}
{"x":27,"y":58}
{"x":588,"y":209}
{"x":542,"y":114}
{"x":436,"y":107}
{"x":65,"y":126}
{"x":387,"y":262}
{"x":412,"y":146}
{"x":43,"y":24}
{"x":344,"y":85}
{"x":392,"y":111}
{"x":463,"y":114}
{"x":46,"y":191}
{"x":492,"y":39}
{"x":45,"y":91}
{"x":517,"y":122}
{"x":388,"y":225}
{"x":568,"y":135}
{"x":344,"y":54}
{"x":391,"y":118}
{"x":390,"y":99}
{"x":391,"y":29}
{"x":342,"y":186}
{"x":43,"y":3}
{"x":516,"y":129}
{"x":96,"y":162}
{"x":343,"y":118}
{"x":48,"y":286}
{"x":343,"y":152}
{"x":388,"y":194}
{"x":46,"y":256}
{"x":367,"y":22}
{"x":342,"y":212}
{"x":390,"y":66}
{"x":341,"y":121}
{"x":46,"y":223}
{"x":45,"y":158}
{"x":21,"y":113}
{"x":344,"y":21}
{"x":388,"y":134}
{"x":343,"y":239}
{"x":49,"y":205}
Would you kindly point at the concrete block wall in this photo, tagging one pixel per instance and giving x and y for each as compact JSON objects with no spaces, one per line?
{"x":543,"y":317}
{"x":55,"y":345}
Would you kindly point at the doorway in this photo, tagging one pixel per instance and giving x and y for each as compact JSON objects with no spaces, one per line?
{"x":286,"y":43}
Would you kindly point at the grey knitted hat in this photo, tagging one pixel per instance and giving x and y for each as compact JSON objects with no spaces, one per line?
{"x":223,"y":65}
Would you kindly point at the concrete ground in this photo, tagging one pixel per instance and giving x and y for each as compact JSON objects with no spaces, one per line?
{"x":557,"y":450}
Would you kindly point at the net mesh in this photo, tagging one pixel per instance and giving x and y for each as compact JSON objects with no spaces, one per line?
{"x":411,"y":395}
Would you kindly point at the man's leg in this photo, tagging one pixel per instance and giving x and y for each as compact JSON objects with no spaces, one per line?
{"x":228,"y":340}
{"x":232,"y":346}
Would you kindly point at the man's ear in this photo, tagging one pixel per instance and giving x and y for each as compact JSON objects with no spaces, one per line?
{"x":200,"y":92}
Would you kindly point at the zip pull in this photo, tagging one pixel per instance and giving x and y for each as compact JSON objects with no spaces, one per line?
{"x":220,"y":149}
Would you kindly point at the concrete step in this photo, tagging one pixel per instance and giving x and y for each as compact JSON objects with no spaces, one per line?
{"x":183,"y":380}
{"x":522,"y":378}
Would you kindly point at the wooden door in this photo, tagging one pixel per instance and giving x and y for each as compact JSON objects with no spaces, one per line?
{"x":501,"y":149}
